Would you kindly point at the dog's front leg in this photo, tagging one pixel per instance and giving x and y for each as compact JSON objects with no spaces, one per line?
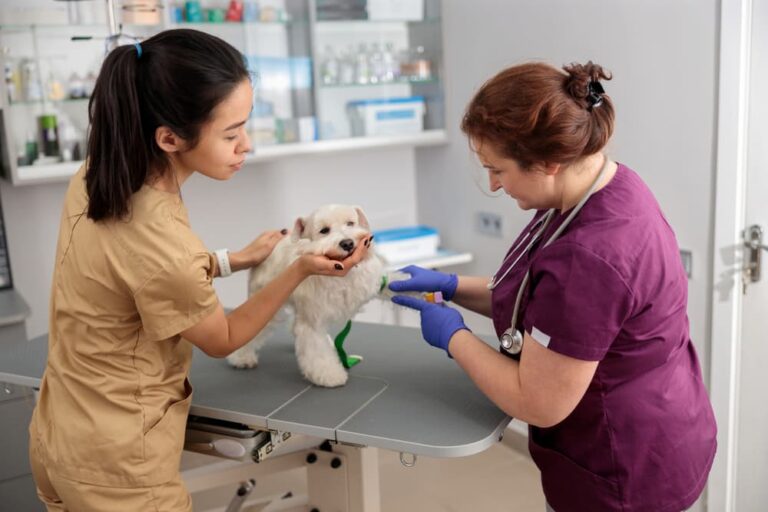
{"x":247,"y":356}
{"x":318,"y":360}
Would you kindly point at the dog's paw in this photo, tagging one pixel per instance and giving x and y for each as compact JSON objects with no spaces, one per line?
{"x":331,"y":378}
{"x":243,"y":360}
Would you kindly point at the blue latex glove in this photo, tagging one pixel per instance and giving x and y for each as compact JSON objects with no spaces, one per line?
{"x":438,"y":322}
{"x":424,"y":280}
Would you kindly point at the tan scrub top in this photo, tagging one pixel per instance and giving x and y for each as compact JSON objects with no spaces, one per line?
{"x":114,"y":397}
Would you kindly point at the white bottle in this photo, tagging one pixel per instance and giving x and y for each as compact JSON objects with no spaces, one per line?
{"x":362,"y":69}
{"x":30,"y":81}
{"x":376,"y":64}
{"x":347,"y":67}
{"x":329,"y":70}
{"x":390,"y":65}
{"x":10,"y":84}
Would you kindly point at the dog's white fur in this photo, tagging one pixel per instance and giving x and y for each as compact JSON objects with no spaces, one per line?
{"x":319,"y":301}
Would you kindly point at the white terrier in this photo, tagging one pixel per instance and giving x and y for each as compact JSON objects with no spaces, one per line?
{"x":320,"y":301}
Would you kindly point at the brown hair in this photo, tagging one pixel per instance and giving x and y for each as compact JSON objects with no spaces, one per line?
{"x":536,"y":113}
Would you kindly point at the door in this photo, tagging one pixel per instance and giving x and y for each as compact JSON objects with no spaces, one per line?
{"x":751,"y":491}
{"x":739,"y":318}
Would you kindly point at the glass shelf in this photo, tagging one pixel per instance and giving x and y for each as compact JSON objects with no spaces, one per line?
{"x":377,"y":21}
{"x":379,"y":84}
{"x":233,"y":24}
{"x":63,"y":171}
{"x":31,"y":26}
{"x":26,"y":103}
{"x":289,"y":57}
{"x":47,"y":173}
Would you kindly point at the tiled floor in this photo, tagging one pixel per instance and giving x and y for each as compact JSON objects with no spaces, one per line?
{"x":499,"y":479}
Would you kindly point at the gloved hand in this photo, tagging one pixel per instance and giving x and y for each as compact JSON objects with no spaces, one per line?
{"x":424,"y":280}
{"x":438,"y":322}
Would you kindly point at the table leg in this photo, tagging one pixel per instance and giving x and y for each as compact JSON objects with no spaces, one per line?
{"x":346,"y":479}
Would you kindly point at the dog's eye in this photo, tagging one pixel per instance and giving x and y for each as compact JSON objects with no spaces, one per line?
{"x":350,"y":223}
{"x":325,"y":231}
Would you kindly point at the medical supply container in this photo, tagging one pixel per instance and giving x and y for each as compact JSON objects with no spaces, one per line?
{"x":406,"y":244}
{"x":387,"y":116}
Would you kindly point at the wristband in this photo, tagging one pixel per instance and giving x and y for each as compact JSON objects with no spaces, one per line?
{"x":222,"y":257}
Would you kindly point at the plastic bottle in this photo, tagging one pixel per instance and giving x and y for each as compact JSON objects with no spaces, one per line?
{"x":376,"y":64}
{"x":330,"y":67}
{"x":347,"y":67}
{"x":10,"y":83}
{"x":390,"y":64}
{"x":30,"y":81}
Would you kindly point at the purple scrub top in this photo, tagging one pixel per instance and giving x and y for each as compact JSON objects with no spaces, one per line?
{"x":612,"y":288}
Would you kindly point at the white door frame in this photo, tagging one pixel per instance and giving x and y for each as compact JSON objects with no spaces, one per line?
{"x":730,"y":203}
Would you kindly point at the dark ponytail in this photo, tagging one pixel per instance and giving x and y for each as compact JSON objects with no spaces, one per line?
{"x":173,"y":79}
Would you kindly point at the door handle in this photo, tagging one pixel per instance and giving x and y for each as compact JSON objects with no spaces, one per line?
{"x":753,"y":240}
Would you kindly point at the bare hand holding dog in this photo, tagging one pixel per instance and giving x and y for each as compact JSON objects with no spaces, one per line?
{"x":257,"y":251}
{"x":314,"y":264}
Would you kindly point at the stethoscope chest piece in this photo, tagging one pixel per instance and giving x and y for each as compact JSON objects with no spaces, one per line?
{"x":512,"y":341}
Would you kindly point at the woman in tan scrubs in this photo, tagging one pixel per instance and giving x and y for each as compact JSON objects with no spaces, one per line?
{"x":132,"y":279}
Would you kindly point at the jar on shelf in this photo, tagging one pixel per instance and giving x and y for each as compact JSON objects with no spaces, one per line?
{"x":329,"y":69}
{"x":49,"y":134}
{"x":30,"y":81}
{"x":362,"y":67}
{"x":416,"y":66}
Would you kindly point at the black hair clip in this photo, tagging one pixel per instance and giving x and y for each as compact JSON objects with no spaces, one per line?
{"x":595,"y":94}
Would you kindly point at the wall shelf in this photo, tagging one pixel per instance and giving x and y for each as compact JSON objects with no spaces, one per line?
{"x":292,"y":58}
{"x":63,"y":171}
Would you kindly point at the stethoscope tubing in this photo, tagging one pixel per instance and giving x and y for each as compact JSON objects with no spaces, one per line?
{"x":512,"y":330}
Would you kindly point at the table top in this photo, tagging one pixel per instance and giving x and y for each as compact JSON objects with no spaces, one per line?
{"x":404,"y":396}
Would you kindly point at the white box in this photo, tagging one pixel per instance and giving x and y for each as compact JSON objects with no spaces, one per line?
{"x":386,"y":116}
{"x":395,"y":10}
{"x":406,"y":244}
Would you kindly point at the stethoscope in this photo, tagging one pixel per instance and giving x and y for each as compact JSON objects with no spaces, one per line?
{"x":512,"y":339}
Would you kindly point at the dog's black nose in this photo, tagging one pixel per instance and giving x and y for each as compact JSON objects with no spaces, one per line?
{"x":347,"y":244}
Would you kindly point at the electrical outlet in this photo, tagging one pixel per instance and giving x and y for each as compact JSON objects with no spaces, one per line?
{"x":488,"y":224}
{"x":687,"y":257}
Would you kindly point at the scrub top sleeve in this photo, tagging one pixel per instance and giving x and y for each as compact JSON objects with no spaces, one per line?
{"x":577,"y":303}
{"x":177,"y":297}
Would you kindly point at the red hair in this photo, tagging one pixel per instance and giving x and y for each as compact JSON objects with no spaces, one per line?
{"x":536,"y":113}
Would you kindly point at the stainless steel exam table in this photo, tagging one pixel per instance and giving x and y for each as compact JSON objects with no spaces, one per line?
{"x":404,"y":396}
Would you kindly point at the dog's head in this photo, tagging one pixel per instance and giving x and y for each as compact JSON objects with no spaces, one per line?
{"x":332,"y":230}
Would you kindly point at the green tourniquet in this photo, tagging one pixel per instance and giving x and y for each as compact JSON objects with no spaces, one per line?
{"x":350,"y":361}
{"x":346,"y":361}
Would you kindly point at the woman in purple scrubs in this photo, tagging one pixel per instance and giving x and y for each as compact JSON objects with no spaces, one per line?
{"x":607,"y":378}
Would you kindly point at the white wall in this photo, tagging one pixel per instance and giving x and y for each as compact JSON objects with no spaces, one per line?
{"x":224,"y":214}
{"x":663,"y":57}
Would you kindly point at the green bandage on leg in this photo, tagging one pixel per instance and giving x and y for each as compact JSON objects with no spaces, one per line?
{"x":346,"y":361}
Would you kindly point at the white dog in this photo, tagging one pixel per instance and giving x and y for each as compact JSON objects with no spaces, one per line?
{"x":320,"y":301}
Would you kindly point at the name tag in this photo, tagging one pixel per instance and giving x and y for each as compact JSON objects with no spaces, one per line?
{"x":541,"y":338}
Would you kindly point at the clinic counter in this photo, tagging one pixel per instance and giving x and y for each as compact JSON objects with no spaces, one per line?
{"x":405,"y":396}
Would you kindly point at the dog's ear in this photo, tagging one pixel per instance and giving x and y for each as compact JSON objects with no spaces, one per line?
{"x":361,"y":218}
{"x":298,"y":230}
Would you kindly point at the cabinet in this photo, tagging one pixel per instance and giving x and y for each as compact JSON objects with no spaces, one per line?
{"x":17,"y":489}
{"x":328,"y":75}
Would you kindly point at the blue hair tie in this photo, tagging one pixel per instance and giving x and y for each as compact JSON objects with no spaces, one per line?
{"x":138,"y":49}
